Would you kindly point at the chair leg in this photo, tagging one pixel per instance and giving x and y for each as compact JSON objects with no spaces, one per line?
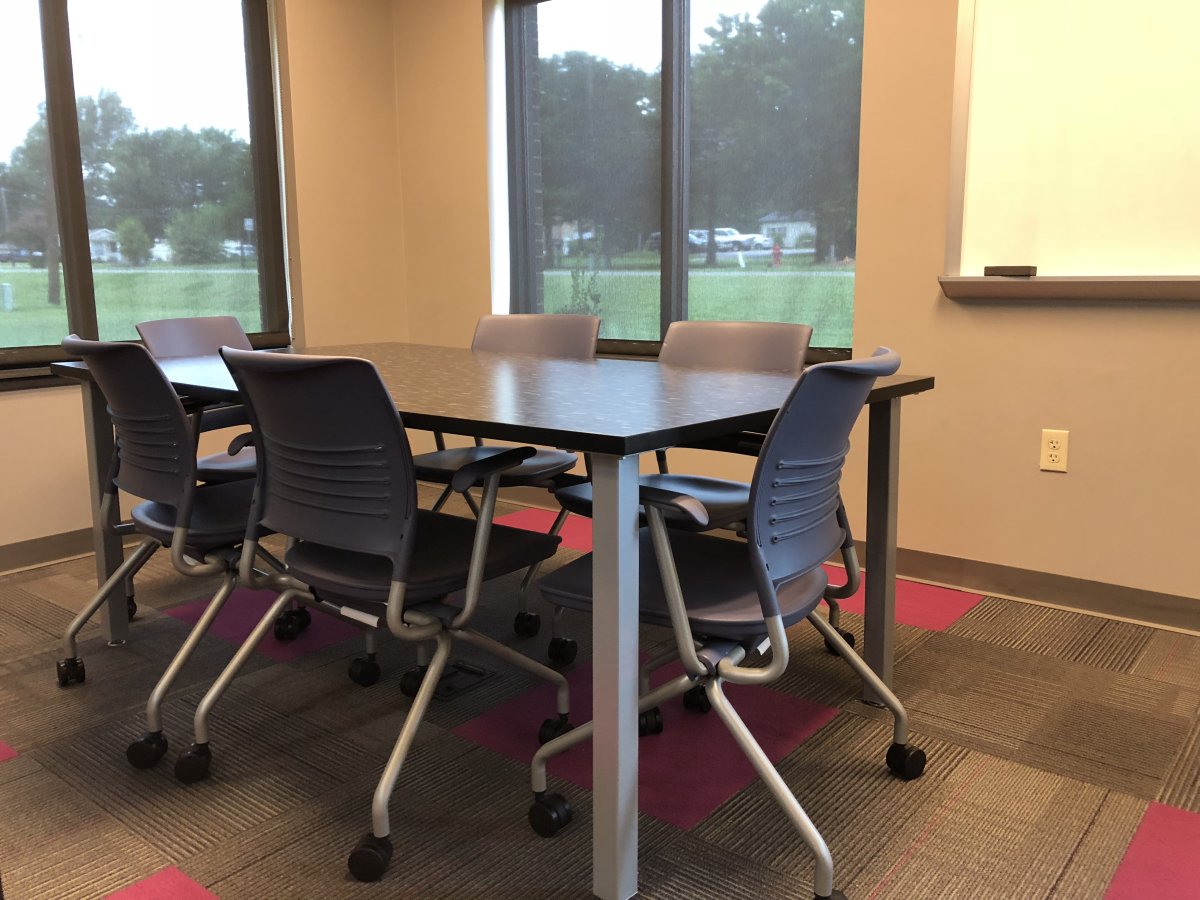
{"x":823,"y":877}
{"x":369,"y":860}
{"x":532,"y":572}
{"x":521,"y":661}
{"x":193,"y":764}
{"x":70,"y":668}
{"x":442,"y":498}
{"x":152,"y":746}
{"x":905,"y":761}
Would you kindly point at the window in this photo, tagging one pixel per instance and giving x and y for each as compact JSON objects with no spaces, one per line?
{"x":695,"y":159}
{"x":153,"y":143}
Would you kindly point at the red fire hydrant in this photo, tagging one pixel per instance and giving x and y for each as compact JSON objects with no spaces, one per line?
{"x":777,"y":255}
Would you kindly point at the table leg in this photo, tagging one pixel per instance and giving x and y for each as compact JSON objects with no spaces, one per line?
{"x":97,"y":428}
{"x":615,"y":676}
{"x":883,"y":478}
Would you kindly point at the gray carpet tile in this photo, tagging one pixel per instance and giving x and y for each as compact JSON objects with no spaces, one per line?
{"x":1171,"y":656}
{"x":1100,"y":848}
{"x":1181,"y":785}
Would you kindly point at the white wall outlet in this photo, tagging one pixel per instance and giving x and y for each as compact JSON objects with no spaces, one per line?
{"x":1054,"y":450}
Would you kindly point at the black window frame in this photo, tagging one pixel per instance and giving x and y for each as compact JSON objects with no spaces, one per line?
{"x":525,"y":291}
{"x":26,"y":367}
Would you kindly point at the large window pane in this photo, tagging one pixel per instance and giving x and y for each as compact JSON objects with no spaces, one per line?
{"x":774,"y":163}
{"x":594,"y":110}
{"x":164,"y":139}
{"x":33,"y":311}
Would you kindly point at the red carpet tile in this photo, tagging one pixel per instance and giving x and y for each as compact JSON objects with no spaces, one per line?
{"x":677,"y":784}
{"x":7,"y":752}
{"x":242,"y":612}
{"x":920,"y":605}
{"x":168,"y":883}
{"x":576,"y":532}
{"x":1162,"y":861}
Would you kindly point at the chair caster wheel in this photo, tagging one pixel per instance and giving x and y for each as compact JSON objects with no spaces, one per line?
{"x":847,"y":636}
{"x":370,"y":859}
{"x":650,"y":722}
{"x":696,"y":700}
{"x":410,"y":681}
{"x":364,"y":670}
{"x":906,"y":761}
{"x":527,"y":624}
{"x":146,"y":751}
{"x":553,"y":728}
{"x":193,"y":764}
{"x":549,"y":814}
{"x":302,"y":616}
{"x":562,"y":651}
{"x":131,"y":608}
{"x":70,"y":671}
{"x":286,"y":628}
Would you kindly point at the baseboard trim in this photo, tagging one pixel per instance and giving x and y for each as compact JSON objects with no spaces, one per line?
{"x":43,"y":550}
{"x":1111,"y":600}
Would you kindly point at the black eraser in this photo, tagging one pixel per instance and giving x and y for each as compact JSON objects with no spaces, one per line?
{"x":1011,"y":271}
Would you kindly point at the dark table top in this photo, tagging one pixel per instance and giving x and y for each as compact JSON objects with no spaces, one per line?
{"x":615,"y":406}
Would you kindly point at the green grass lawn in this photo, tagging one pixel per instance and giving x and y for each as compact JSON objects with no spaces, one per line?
{"x":629,"y":301}
{"x":125,"y":297}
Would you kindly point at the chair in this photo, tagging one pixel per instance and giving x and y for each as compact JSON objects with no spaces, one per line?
{"x":204,"y":336}
{"x":336,"y":476}
{"x":155,"y":460}
{"x":561,"y":336}
{"x":754,"y":346}
{"x":722,"y":598}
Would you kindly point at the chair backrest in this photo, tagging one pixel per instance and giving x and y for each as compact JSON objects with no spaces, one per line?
{"x":334,"y":463}
{"x":155,"y":447}
{"x":752,"y":346}
{"x":198,"y":336}
{"x":538,"y":334}
{"x":794,"y":497}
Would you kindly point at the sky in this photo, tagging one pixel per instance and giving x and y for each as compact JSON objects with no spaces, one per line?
{"x":602,"y":27}
{"x":173,"y":64}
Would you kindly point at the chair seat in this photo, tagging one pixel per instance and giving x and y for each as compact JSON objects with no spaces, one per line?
{"x":726,"y":501}
{"x":441,"y":557}
{"x":440,"y":466}
{"x":221,"y":467}
{"x":219,"y":515}
{"x":717,"y":581}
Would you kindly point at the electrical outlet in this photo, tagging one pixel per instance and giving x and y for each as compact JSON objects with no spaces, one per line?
{"x":1054,"y":450}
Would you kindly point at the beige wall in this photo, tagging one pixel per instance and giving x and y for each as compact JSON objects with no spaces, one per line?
{"x":389,"y":203}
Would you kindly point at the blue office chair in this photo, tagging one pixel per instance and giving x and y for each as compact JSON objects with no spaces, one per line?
{"x":724,"y":598}
{"x":336,"y":476}
{"x":558,"y":336}
{"x":155,"y":460}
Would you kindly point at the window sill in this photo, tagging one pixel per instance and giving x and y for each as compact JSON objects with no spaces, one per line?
{"x":1071,"y":288}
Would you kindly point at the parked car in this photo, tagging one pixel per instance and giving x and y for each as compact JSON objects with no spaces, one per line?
{"x":696,"y":244}
{"x":756,"y":242}
{"x":722,"y":242}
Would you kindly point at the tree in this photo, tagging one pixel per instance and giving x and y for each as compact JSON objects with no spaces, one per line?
{"x":195,"y":235}
{"x":135,"y":244}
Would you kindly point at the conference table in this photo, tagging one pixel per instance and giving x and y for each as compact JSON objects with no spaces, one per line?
{"x":614,"y":410}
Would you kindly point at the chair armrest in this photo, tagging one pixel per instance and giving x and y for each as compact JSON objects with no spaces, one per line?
{"x":477,"y":471}
{"x":684,"y":504}
{"x":241,"y":442}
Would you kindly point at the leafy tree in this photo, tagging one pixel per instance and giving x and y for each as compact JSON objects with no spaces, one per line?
{"x":135,"y":244}
{"x":195,"y":235}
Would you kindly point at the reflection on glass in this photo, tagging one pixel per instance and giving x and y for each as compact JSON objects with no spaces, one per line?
{"x":595,"y":109}
{"x":33,"y":310}
{"x":164,"y":138}
{"x":774,"y":117}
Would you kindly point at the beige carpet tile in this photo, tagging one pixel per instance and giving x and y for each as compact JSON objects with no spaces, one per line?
{"x":1181,"y":786}
{"x":1171,"y":656}
{"x":60,"y":842}
{"x":1100,"y":848}
{"x":1122,"y":730}
{"x":1103,"y":643}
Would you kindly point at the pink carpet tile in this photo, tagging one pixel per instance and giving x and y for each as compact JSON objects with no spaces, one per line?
{"x":244,"y":609}
{"x":167,"y":884}
{"x":1163,"y":859}
{"x":676,"y":784}
{"x":7,"y":752}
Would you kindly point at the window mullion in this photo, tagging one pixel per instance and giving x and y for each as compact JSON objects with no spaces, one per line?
{"x":674,"y":280}
{"x":66,"y":165}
